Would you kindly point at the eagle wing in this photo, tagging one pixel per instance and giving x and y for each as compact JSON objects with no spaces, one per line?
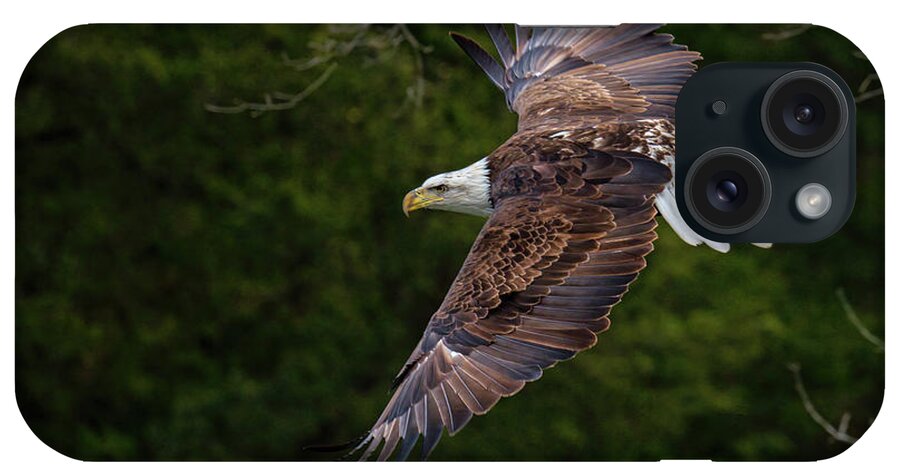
{"x":561,"y":76}
{"x":574,"y":219}
{"x":568,"y":235}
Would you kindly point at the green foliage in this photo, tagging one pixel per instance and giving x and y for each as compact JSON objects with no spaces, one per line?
{"x":193,"y":285}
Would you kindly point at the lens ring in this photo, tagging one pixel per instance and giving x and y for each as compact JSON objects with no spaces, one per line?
{"x":808,"y":132}
{"x":752,"y":186}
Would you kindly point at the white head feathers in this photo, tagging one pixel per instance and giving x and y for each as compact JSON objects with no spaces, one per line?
{"x":467,"y":190}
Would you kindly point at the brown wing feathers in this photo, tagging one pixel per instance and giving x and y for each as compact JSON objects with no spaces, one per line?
{"x":538,"y":284}
{"x":622,"y":70}
{"x":482,"y":58}
{"x":501,"y":41}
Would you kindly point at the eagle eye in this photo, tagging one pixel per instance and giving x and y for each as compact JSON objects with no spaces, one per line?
{"x":440,"y":188}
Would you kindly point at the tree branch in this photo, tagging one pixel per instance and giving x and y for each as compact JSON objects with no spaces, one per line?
{"x":854,"y":319}
{"x":786,"y":33}
{"x":273,"y":101}
{"x":328,"y":52}
{"x":840,"y":433}
{"x":869,"y":95}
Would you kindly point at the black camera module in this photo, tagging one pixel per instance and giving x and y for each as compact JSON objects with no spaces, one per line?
{"x":727,"y":190}
{"x":804,"y":113}
{"x":788,"y":174}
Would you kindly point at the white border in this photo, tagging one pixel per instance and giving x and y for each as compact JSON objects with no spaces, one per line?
{"x":27,"y":27}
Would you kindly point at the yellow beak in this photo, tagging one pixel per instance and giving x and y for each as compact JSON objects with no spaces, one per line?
{"x":419,"y":198}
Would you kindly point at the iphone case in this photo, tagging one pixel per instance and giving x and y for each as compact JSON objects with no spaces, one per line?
{"x":212,"y":260}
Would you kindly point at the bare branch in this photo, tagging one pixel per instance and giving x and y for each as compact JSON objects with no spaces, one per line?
{"x":864,"y":85}
{"x":863,"y":92}
{"x":845,"y":423}
{"x":331,"y":49}
{"x":839,"y":434}
{"x":854,"y":319}
{"x":416,"y":91}
{"x":787,"y":33}
{"x":285,"y":101}
{"x":869,"y":95}
{"x":328,"y":50}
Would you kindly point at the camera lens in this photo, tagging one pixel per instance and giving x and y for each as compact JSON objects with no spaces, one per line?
{"x":727,"y":190}
{"x":804,"y":113}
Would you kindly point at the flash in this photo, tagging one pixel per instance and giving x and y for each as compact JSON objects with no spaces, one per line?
{"x":813,"y":201}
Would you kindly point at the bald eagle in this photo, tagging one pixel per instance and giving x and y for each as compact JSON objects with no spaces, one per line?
{"x":570,"y":200}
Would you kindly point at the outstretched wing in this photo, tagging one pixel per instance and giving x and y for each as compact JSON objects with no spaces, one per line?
{"x":565,"y":79}
{"x":560,"y":76}
{"x":570,"y":231}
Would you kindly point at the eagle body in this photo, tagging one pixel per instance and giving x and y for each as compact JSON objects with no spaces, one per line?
{"x":571,"y":202}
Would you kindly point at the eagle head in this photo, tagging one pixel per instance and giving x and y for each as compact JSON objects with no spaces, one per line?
{"x":467,"y":190}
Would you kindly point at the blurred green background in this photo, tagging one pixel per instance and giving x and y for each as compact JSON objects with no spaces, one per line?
{"x":193,"y":284}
